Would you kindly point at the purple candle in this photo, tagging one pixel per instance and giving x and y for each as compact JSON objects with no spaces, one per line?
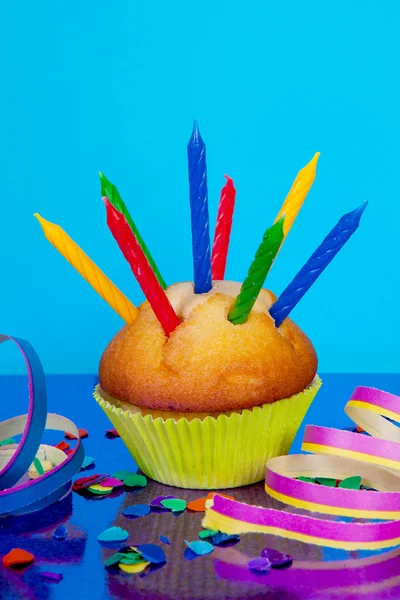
{"x":199,"y":212}
{"x":313,"y":268}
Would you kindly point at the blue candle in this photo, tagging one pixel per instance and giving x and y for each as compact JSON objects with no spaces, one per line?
{"x":199,"y":212}
{"x":313,"y":268}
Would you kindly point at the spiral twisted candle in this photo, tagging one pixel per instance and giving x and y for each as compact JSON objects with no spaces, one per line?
{"x":297,"y":193}
{"x":223,"y":230}
{"x":258,"y":271}
{"x":196,"y":150}
{"x":89,"y":270}
{"x":109,"y":190}
{"x":141,"y":268}
{"x":313,"y":268}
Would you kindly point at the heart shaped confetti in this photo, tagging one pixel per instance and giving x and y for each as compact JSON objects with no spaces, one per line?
{"x":17,"y":557}
{"x":277,"y":559}
{"x":137,"y":510}
{"x":259,"y":564}
{"x":113,"y":534}
{"x":199,"y":547}
{"x":174,"y":504}
{"x":152,"y":553}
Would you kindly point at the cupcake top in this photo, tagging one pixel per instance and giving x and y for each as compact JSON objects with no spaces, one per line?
{"x":207,"y":364}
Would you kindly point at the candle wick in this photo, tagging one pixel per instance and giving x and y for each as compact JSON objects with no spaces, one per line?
{"x":195,"y":139}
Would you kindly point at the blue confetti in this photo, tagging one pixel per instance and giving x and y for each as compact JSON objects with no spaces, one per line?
{"x":113,"y":534}
{"x":260,"y":564}
{"x":163,"y":538}
{"x":87,"y":462}
{"x":189,"y":554}
{"x":199,"y":547}
{"x":152,"y":553}
{"x":60,"y":533}
{"x":225,"y":538}
{"x":136,"y":510}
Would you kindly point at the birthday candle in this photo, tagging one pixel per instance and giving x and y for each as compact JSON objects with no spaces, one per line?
{"x":223,"y":230}
{"x":109,"y":190}
{"x":297,"y":194}
{"x":89,"y":270}
{"x":141,"y":268}
{"x":258,"y":271}
{"x":196,"y":150}
{"x":313,"y":268}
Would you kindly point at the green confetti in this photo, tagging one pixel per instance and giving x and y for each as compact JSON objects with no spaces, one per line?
{"x":174,"y":504}
{"x":207,"y":533}
{"x":131,"y":558}
{"x":38,"y":466}
{"x":351,"y":483}
{"x":327,"y":481}
{"x":114,"y":559}
{"x":99,"y":492}
{"x":7,"y":442}
{"x":122,"y":475}
{"x":135,"y":481}
{"x":307,"y":479}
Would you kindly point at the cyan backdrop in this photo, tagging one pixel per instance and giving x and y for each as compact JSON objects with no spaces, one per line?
{"x":114,"y":86}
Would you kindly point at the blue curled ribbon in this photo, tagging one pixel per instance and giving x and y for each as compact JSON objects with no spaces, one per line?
{"x":20,"y":498}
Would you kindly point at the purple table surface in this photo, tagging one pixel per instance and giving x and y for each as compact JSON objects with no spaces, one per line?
{"x":316,"y":572}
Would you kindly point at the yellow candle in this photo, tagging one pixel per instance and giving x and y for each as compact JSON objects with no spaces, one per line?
{"x":89,"y":270}
{"x":297,"y":194}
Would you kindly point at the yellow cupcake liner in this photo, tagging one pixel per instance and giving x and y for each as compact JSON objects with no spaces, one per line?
{"x":216,"y":452}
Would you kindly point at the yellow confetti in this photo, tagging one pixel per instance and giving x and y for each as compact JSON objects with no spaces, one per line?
{"x":98,"y":488}
{"x":136,"y":568}
{"x":46,"y":466}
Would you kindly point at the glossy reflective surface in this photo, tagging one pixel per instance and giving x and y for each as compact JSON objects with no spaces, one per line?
{"x":316,"y":572}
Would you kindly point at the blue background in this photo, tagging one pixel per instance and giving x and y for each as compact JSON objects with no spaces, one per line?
{"x":114,"y":86}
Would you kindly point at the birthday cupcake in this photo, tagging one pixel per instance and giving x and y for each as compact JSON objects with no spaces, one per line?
{"x":208,"y":380}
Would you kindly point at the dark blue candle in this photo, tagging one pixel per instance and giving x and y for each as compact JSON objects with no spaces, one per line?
{"x":199,"y":212}
{"x":313,"y":268}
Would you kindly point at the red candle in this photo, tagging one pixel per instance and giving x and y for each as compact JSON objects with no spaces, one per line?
{"x":223,"y":229}
{"x":143,"y":272}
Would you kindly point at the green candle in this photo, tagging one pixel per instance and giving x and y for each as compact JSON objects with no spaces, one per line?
{"x":109,"y":190}
{"x":258,"y":271}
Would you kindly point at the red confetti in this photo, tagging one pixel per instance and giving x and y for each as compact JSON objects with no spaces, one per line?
{"x":68,"y":452}
{"x":62,"y":445}
{"x":112,"y":433}
{"x":17,"y":557}
{"x":84,"y":482}
{"x":82,"y":432}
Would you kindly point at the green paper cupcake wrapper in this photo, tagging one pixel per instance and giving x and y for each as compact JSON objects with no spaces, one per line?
{"x":215,"y":452}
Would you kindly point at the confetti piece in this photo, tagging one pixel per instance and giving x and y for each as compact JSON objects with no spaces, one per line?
{"x":38,"y":466}
{"x":135,"y":481}
{"x":163,"y":538}
{"x":152,"y":553}
{"x":307,"y":479}
{"x":114,"y":559}
{"x":156,"y":503}
{"x":50,"y":576}
{"x":63,"y":445}
{"x":137,"y":510}
{"x":84,"y":482}
{"x":225,"y":539}
{"x":112,"y":433}
{"x":99,"y":489}
{"x":351,"y":483}
{"x":198,"y":505}
{"x":45,"y":466}
{"x":83,"y":433}
{"x":189,"y":554}
{"x":260,"y":564}
{"x":87,"y":462}
{"x":174,"y":504}
{"x":212,"y":494}
{"x":207,"y":533}
{"x":131,"y":558}
{"x":60,"y":533}
{"x":7,"y":442}
{"x":122,"y":475}
{"x":136,"y":568}
{"x":327,"y":481}
{"x":111,"y":482}
{"x":17,"y":558}
{"x":278,"y":560}
{"x":113,"y":534}
{"x":200,"y":548}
